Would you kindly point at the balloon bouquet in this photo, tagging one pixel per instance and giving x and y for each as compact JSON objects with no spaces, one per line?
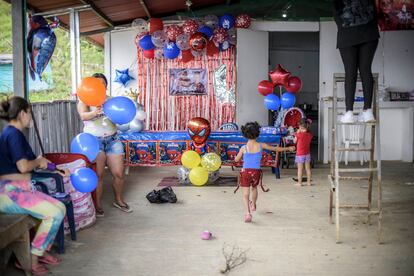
{"x":120,"y":110}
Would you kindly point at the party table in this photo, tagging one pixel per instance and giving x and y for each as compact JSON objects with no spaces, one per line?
{"x":158,"y":148}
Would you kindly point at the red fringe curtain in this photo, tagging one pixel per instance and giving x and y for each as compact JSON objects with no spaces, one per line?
{"x":167,"y":113}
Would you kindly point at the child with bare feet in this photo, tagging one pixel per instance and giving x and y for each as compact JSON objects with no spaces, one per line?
{"x":303,"y":140}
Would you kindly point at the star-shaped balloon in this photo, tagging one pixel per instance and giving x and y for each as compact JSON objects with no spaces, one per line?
{"x":123,"y":77}
{"x":279,"y":76}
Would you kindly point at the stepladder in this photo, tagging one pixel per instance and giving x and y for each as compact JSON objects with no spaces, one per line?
{"x":370,"y":172}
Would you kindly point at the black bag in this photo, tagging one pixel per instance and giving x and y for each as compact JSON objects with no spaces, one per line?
{"x":153,"y":196}
{"x":167,"y":194}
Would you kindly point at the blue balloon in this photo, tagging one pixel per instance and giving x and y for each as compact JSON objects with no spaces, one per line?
{"x":272,"y":102}
{"x":226,"y":21}
{"x":288,"y":100}
{"x":84,"y":180}
{"x":224,"y":46}
{"x":146,"y":43}
{"x":171,"y":51}
{"x":206,"y":30}
{"x":86,"y":144}
{"x":120,"y":110}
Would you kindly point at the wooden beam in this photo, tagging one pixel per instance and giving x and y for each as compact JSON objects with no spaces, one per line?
{"x":144,"y":6}
{"x":98,"y":31}
{"x":99,"y":12}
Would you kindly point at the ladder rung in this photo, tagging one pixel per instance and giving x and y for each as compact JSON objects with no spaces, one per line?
{"x":353,"y":149}
{"x":358,"y":170}
{"x":354,"y":177}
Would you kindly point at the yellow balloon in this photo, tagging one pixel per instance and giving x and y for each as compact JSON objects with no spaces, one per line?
{"x":198,"y":176}
{"x":211,"y":161}
{"x":190,"y":159}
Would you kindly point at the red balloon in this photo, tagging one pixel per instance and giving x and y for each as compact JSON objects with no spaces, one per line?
{"x":265,"y":87}
{"x":186,"y":56}
{"x":198,"y":41}
{"x":149,"y":54}
{"x":212,"y":48}
{"x":190,"y":27}
{"x":173,"y":31}
{"x":155,"y":24}
{"x":294,"y":84}
{"x":243,"y":21}
{"x":279,"y":76}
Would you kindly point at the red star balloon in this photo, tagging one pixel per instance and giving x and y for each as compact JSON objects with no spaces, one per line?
{"x":243,"y":21}
{"x":279,"y":76}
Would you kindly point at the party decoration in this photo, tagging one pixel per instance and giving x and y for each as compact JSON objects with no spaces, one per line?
{"x":146,"y":43}
{"x":206,"y":235}
{"x":159,"y":53}
{"x":206,"y":30}
{"x":199,"y":130}
{"x":141,"y":115}
{"x":226,"y":21}
{"x":213,"y":177}
{"x":243,"y":21}
{"x":190,"y":159}
{"x":287,"y":100}
{"x":220,"y":35}
{"x":212,"y":48}
{"x":92,"y":91}
{"x":294,"y":84}
{"x":183,"y":42}
{"x":211,"y":21}
{"x":272,"y":102}
{"x":86,"y":144}
{"x":41,"y":42}
{"x":155,"y":24}
{"x":120,"y":110}
{"x":190,"y":27}
{"x":171,"y":50}
{"x":186,"y":56}
{"x":84,"y":180}
{"x":198,"y":53}
{"x":265,"y":87}
{"x":136,"y":125}
{"x":123,"y":77}
{"x":123,"y":128}
{"x":279,"y":76}
{"x":198,"y":41}
{"x":224,"y":46}
{"x":224,"y":95}
{"x":159,"y":38}
{"x":173,"y":31}
{"x":211,"y":162}
{"x":182,"y":175}
{"x":198,"y":176}
{"x":140,"y":25}
{"x":149,"y":54}
{"x":232,"y":36}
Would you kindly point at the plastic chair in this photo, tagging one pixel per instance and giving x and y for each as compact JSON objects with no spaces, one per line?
{"x":353,"y":136}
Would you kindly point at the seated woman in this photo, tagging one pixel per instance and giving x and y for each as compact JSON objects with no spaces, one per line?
{"x":17,"y":196}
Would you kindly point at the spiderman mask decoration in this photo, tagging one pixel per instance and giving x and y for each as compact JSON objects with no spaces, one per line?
{"x":199,"y":130}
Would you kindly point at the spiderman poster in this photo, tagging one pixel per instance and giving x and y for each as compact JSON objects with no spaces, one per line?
{"x":188,"y":82}
{"x":395,"y":14}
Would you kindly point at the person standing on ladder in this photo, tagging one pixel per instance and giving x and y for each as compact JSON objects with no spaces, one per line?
{"x":357,"y":41}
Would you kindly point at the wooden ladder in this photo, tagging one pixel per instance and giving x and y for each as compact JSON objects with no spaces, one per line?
{"x":374,"y":168}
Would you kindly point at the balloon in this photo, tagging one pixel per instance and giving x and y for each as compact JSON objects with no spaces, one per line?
{"x":265,"y":87}
{"x":206,"y":30}
{"x":198,"y":176}
{"x":173,"y":31}
{"x":224,"y":46}
{"x":198,"y":53}
{"x":211,"y":162}
{"x":84,"y":180}
{"x":190,"y":159}
{"x":141,"y":115}
{"x":42,"y":46}
{"x":232,"y":36}
{"x":279,"y":76}
{"x":226,"y":21}
{"x":213,"y":177}
{"x":155,"y":24}
{"x":182,"y":42}
{"x":138,"y":38}
{"x":120,"y":110}
{"x":294,"y":84}
{"x":149,"y":54}
{"x":123,"y":128}
{"x":272,"y":102}
{"x":136,"y":125}
{"x":159,"y":38}
{"x":146,"y":43}
{"x":123,"y":77}
{"x":159,"y":53}
{"x":186,"y":56}
{"x":212,"y":49}
{"x":171,"y":50}
{"x":288,"y":100}
{"x":92,"y":91}
{"x":198,"y":41}
{"x":220,"y":35}
{"x":243,"y":21}
{"x":199,"y":130}
{"x":140,"y":25}
{"x":182,"y":174}
{"x":190,"y":26}
{"x":86,"y":144}
{"x":211,"y":21}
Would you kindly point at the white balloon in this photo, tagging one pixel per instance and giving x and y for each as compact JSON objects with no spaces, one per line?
{"x":123,"y":127}
{"x":136,"y":125}
{"x":141,"y":115}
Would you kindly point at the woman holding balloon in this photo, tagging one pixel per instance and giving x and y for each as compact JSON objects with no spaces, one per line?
{"x":92,"y":94}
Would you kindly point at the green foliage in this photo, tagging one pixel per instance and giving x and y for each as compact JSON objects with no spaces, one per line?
{"x":92,"y":59}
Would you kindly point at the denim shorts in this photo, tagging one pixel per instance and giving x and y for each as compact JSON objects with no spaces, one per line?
{"x":301,"y":159}
{"x":111,"y":145}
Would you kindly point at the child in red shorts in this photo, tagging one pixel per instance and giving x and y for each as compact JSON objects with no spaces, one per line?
{"x":303,"y":140}
{"x":251,"y":174}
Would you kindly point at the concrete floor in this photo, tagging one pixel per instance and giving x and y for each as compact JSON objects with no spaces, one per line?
{"x":290,"y":233}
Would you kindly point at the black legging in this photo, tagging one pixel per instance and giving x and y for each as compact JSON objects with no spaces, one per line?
{"x":358,"y":57}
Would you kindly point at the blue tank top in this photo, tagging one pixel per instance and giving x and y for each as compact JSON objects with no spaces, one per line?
{"x":252,"y":160}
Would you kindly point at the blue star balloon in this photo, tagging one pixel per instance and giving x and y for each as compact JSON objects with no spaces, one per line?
{"x":123,"y":77}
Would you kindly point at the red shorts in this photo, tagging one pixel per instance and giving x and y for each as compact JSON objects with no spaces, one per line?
{"x":250,"y":177}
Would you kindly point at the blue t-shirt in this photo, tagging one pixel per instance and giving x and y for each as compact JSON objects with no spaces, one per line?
{"x":13,"y":147}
